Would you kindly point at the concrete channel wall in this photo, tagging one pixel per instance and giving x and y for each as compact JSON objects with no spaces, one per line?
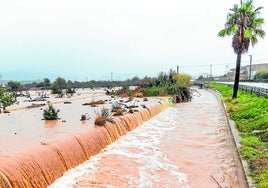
{"x":236,"y":140}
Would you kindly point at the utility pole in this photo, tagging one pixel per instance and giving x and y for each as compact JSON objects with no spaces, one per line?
{"x":211,"y":70}
{"x":250,"y":64}
{"x":111,"y":80}
{"x":1,"y":81}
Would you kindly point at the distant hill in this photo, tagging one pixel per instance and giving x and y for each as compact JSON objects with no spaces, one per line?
{"x":4,"y":82}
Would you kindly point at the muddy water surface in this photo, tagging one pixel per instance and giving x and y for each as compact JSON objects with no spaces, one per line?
{"x":23,"y":128}
{"x":188,"y":145}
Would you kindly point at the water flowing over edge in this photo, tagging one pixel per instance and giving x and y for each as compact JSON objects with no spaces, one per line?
{"x":43,"y":165}
{"x":149,"y":159}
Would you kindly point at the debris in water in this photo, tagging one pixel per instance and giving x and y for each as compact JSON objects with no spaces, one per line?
{"x":219,"y":185}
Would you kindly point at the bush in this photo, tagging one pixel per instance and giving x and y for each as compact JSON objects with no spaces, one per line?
{"x":119,"y":112}
{"x":262,"y":74}
{"x":70,"y":90}
{"x":182,"y":79}
{"x":152,"y":91}
{"x":50,"y":113}
{"x":6,"y":99}
{"x":165,"y":85}
{"x":104,"y":116}
{"x":138,"y":94}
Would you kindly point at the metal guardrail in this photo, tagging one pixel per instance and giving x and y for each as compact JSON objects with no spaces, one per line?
{"x":258,"y":89}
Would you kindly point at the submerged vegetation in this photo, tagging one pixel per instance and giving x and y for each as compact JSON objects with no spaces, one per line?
{"x":163,"y":84}
{"x":250,"y":113}
{"x":103,"y":117}
{"x":170,"y":84}
{"x":50,"y":113}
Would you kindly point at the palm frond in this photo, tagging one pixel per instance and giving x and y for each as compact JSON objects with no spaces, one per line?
{"x":244,"y":24}
{"x":223,"y":33}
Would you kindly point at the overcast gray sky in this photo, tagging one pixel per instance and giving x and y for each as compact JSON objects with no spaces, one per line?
{"x":86,"y":39}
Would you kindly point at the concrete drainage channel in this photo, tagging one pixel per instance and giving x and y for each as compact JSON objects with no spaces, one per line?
{"x":236,"y":140}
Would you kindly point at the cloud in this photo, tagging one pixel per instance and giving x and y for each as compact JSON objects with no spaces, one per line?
{"x":88,"y":38}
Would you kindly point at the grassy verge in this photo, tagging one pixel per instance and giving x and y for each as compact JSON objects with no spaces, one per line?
{"x":250,"y":114}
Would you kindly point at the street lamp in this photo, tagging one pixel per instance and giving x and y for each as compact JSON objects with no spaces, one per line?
{"x":250,"y":64}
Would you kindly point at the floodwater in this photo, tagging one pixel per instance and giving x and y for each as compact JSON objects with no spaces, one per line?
{"x":188,"y":145}
{"x":23,"y":128}
{"x":34,"y":152}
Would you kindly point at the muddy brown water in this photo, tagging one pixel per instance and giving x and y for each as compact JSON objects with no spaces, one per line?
{"x":188,"y":145}
{"x":33,"y":152}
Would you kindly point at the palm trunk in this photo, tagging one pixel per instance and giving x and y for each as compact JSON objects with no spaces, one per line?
{"x":237,"y":75}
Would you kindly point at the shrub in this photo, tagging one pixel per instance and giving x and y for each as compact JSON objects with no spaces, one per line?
{"x":50,"y":113}
{"x":138,"y":94}
{"x":100,"y":102}
{"x":152,"y":91}
{"x":104,"y":116}
{"x":70,"y":90}
{"x":6,"y":99}
{"x":84,"y":117}
{"x":182,"y":79}
{"x":100,"y":120}
{"x":119,"y":112}
{"x":145,"y":99}
{"x":262,"y":74}
{"x":116,"y":105}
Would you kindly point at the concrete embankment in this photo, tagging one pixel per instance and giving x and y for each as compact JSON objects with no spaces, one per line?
{"x":40,"y":166}
{"x":236,"y":139}
{"x":187,"y":145}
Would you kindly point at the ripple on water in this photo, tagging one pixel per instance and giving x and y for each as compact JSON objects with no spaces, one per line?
{"x":135,"y":160}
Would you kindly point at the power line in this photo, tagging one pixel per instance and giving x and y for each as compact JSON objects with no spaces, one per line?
{"x":204,"y":65}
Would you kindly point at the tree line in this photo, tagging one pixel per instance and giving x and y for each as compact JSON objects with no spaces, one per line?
{"x":61,"y":83}
{"x":164,"y":84}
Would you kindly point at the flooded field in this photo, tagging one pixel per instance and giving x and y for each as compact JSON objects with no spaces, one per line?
{"x":34,"y":152}
{"x":24,"y":128}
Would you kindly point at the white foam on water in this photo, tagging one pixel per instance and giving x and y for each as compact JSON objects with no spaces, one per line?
{"x":150,"y":158}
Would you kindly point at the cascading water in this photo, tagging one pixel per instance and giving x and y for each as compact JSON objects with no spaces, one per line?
{"x":188,"y":145}
{"x":40,"y":166}
{"x":135,"y":160}
{"x":170,"y":150}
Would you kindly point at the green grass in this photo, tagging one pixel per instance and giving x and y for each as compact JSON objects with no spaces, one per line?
{"x":250,"y":113}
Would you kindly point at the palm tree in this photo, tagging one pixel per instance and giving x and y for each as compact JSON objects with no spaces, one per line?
{"x":244,"y":25}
